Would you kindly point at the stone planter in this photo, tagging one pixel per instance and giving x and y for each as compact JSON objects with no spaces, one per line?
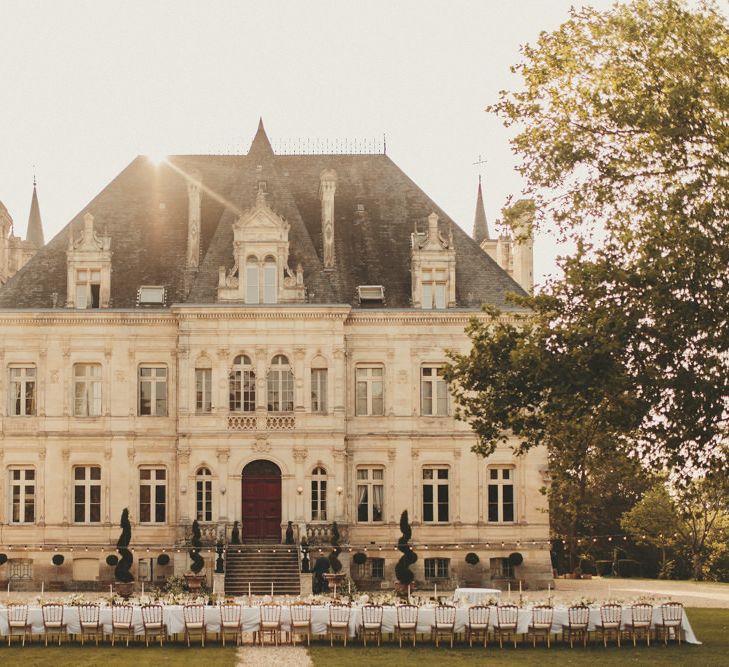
{"x":335,"y":581}
{"x":402,"y":589}
{"x":124,"y":588}
{"x":194,"y":581}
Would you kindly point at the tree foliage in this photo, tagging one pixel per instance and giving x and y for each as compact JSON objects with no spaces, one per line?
{"x":623,"y":125}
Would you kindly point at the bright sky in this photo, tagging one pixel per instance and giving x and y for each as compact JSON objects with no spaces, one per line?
{"x":87,"y":86}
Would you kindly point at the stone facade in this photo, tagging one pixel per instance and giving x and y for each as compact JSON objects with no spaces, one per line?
{"x":165,"y":407}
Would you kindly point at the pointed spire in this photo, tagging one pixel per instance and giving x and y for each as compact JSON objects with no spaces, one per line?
{"x":261,"y":145}
{"x":34,"y":233}
{"x":480,"y":227}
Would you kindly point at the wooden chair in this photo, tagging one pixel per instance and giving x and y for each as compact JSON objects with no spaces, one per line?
{"x":541,"y":624}
{"x":18,"y":622}
{"x":507,"y":619}
{"x":610,"y":623}
{"x":338,"y":622}
{"x":478,"y":623}
{"x":372,"y":622}
{"x":406,"y":625}
{"x":88,"y":616}
{"x":300,"y":622}
{"x":639,"y":624}
{"x":194,"y":617}
{"x":122,"y":622}
{"x":671,"y":621}
{"x":153,"y":622}
{"x":53,"y":621}
{"x":445,"y":623}
{"x":270,"y":623}
{"x":230,"y":616}
{"x":578,"y":619}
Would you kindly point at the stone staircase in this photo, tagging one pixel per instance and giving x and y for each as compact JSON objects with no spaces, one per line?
{"x":259,"y":565}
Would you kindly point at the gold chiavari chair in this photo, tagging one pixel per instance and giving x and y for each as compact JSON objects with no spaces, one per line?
{"x":406,"y":625}
{"x":153,"y":622}
{"x":338,"y":622}
{"x":300,"y":622}
{"x":194,"y":617}
{"x":230,"y":617}
{"x":18,"y":625}
{"x":372,"y":622}
{"x":478,"y":623}
{"x":53,"y":621}
{"x":639,"y":624}
{"x":88,"y":616}
{"x":507,"y":619}
{"x":541,"y":624}
{"x":578,"y":619}
{"x":270,"y":623}
{"x":122,"y":622}
{"x":610,"y":623}
{"x":671,"y":621}
{"x":445,"y":623}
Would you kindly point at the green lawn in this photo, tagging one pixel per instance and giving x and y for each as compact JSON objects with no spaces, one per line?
{"x":711,"y":626}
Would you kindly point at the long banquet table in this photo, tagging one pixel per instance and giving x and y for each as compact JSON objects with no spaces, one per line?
{"x":251,"y":616}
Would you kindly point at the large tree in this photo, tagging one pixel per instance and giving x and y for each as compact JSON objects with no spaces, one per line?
{"x":623,"y":125}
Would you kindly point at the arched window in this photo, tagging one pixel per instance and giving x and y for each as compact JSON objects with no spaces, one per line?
{"x":269,"y":280}
{"x":204,"y":495}
{"x":242,"y":385}
{"x":280,"y":385}
{"x":319,"y":494}
{"x":252,"y":280}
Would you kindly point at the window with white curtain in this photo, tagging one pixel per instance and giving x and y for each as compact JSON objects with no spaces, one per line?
{"x":252,"y":289}
{"x":369,"y":390}
{"x":153,"y":391}
{"x":269,"y":280}
{"x":318,"y":389}
{"x":22,"y":495}
{"x":280,"y":385}
{"x":242,"y":385}
{"x":204,"y":494}
{"x":319,"y":494}
{"x":370,"y":495}
{"x":21,"y":392}
{"x":434,"y":289}
{"x":203,"y":389}
{"x":433,"y":392}
{"x":87,"y":390}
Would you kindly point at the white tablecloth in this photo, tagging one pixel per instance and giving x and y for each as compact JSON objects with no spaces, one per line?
{"x":251,"y":618}
{"x":475,"y":595}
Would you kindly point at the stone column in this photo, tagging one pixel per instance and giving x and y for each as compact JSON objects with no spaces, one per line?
{"x":183,"y":380}
{"x":223,"y":457}
{"x":299,"y":385}
{"x":66,"y":477}
{"x":340,"y":379}
{"x":183,"y":479}
{"x":456,"y":481}
{"x":340,"y":481}
{"x":391,"y":475}
{"x":300,"y":473}
{"x":221,"y":400}
{"x":41,"y":484}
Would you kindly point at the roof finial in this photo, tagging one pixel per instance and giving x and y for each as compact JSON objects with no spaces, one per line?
{"x":34,"y":176}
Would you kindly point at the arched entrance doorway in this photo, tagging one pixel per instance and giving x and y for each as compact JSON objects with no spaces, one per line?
{"x":261,"y":516}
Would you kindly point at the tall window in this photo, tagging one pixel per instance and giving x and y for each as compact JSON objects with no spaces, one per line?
{"x":318,"y":389}
{"x":501,"y":495}
{"x":152,"y":495}
{"x":252,"y":280}
{"x":269,"y":280}
{"x":372,"y":568}
{"x":319,"y":494}
{"x":437,"y":568}
{"x":434,"y":289}
{"x":370,"y":494}
{"x":369,"y":390}
{"x":203,"y":389}
{"x":242,"y":385}
{"x":435,"y":495}
{"x":87,"y":494}
{"x":280,"y":385}
{"x":87,"y":390}
{"x":88,"y":288}
{"x":433,"y":392}
{"x":153,"y":390}
{"x":22,"y":495}
{"x":204,"y":495}
{"x":22,"y":391}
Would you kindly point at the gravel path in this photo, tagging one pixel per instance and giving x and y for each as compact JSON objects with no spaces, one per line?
{"x":273,"y":656}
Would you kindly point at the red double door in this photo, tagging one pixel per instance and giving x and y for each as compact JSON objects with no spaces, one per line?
{"x":261,"y":502}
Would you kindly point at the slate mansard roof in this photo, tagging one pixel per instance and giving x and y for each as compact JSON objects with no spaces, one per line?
{"x":145,"y":212}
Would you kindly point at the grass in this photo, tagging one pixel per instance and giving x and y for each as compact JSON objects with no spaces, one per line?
{"x":711,"y":626}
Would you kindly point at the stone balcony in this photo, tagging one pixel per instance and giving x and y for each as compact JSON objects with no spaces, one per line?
{"x":266,"y":422}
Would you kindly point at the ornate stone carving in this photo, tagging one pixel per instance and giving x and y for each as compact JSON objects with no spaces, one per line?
{"x":261,"y":446}
{"x":415,"y":453}
{"x":300,"y":454}
{"x":391,"y":454}
{"x":223,"y":454}
{"x":183,"y":455}
{"x":327,"y":188}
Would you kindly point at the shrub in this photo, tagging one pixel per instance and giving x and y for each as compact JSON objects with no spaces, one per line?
{"x":515,"y":559}
{"x":198,"y":562}
{"x":334,"y":561}
{"x":360,"y":558}
{"x":58,"y":559}
{"x":163,"y":559}
{"x":122,"y":572}
{"x":402,"y":569}
{"x":112,"y":560}
{"x":472,"y":558}
{"x":3,"y":559}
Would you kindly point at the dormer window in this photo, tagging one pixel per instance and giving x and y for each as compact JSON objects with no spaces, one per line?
{"x":269,"y":280}
{"x":435,"y":284}
{"x":371,"y":295}
{"x":88,"y":288}
{"x":261,"y":283}
{"x":151,"y":296}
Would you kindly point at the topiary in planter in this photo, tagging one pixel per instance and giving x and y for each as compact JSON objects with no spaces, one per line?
{"x":58,"y":559}
{"x":334,"y":562}
{"x":163,"y":559}
{"x":515,"y":559}
{"x":3,"y":559}
{"x":112,"y":560}
{"x":360,"y":558}
{"x":122,"y":571}
{"x":402,"y":569}
{"x":319,"y":584}
{"x":198,"y":562}
{"x":235,"y":536}
{"x":472,"y":558}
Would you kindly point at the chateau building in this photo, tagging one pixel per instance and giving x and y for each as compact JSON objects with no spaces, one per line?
{"x":258,"y":339}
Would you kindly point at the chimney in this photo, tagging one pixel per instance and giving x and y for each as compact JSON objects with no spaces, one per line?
{"x":327,"y":188}
{"x":523,"y":251}
{"x":193,"y":220}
